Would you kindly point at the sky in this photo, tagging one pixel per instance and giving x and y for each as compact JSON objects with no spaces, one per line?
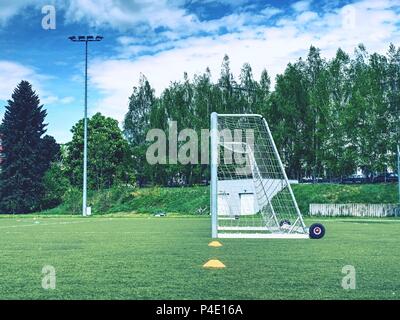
{"x":162,"y":39}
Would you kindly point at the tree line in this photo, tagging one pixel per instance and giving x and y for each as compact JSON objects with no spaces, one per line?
{"x":329,"y":117}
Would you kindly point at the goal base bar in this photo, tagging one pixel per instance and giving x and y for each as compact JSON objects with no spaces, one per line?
{"x":271,"y":229}
{"x":263,"y":236}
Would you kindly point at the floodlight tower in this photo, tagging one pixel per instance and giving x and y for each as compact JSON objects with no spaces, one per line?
{"x":86,"y":40}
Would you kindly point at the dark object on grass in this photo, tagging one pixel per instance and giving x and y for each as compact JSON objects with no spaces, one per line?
{"x":160,"y":214}
{"x":283,"y":222}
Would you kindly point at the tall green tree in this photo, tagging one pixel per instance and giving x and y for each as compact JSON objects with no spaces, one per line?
{"x":27,"y":154}
{"x":292,"y":121}
{"x":393,"y":112}
{"x":109,"y":157}
{"x":229,"y":96}
{"x":136,"y":125}
{"x":263,"y":93}
{"x":137,"y":119}
{"x":318,"y":108}
{"x":335,"y":144}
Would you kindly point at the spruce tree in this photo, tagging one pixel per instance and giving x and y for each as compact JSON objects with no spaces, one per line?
{"x":21,"y":178}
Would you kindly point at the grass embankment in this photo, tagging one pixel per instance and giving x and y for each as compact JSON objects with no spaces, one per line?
{"x":195,"y":200}
{"x":190,"y":200}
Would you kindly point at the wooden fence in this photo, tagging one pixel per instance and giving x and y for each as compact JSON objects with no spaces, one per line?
{"x":355,"y":210}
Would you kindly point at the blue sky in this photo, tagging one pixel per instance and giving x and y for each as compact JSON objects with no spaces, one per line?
{"x":162,"y":39}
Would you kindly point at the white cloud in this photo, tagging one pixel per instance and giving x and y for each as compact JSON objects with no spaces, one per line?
{"x":301,"y":5}
{"x":10,"y":8}
{"x":49,"y":100}
{"x":146,"y":16}
{"x":115,"y":78}
{"x":249,"y":37}
{"x":270,"y":47}
{"x":269,"y":11}
{"x":67,"y":100}
{"x":233,"y":23}
{"x":127,"y":14}
{"x":307,"y":16}
{"x":55,"y":100}
{"x":11,"y":73}
{"x":225,"y":2}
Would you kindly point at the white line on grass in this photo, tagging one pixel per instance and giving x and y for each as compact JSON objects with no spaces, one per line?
{"x":361,"y":220}
{"x":47,"y":224}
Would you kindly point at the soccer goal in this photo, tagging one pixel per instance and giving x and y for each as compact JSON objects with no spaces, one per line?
{"x":251,"y":196}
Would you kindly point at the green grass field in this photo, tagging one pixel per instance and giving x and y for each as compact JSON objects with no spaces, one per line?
{"x":113,"y":257}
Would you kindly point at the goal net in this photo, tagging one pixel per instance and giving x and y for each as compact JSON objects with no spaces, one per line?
{"x":251,"y":195}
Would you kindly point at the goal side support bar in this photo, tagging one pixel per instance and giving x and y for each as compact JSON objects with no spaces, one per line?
{"x":284,"y":173}
{"x":214,"y":167}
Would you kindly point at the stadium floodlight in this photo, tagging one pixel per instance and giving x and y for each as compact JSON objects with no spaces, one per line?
{"x":86,"y":40}
{"x":251,"y":196}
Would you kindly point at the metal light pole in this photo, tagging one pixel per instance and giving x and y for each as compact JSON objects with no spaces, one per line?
{"x":86,"y":40}
{"x":398,"y":168}
{"x":398,"y":138}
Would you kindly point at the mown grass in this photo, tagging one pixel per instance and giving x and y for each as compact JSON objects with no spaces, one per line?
{"x":162,"y":258}
{"x":195,"y":200}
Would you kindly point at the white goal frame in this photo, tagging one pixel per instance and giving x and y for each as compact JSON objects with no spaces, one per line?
{"x":297,"y":231}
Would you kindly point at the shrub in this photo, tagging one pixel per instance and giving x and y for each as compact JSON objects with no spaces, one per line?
{"x":56,"y":184}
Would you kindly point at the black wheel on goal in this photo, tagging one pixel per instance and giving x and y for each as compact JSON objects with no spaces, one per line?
{"x":316,"y":231}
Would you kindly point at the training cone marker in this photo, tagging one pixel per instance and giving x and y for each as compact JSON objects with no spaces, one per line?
{"x":215,"y":244}
{"x":214,"y":264}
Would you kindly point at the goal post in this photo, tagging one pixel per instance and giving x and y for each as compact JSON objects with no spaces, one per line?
{"x":250,"y":193}
{"x":214,"y":170}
